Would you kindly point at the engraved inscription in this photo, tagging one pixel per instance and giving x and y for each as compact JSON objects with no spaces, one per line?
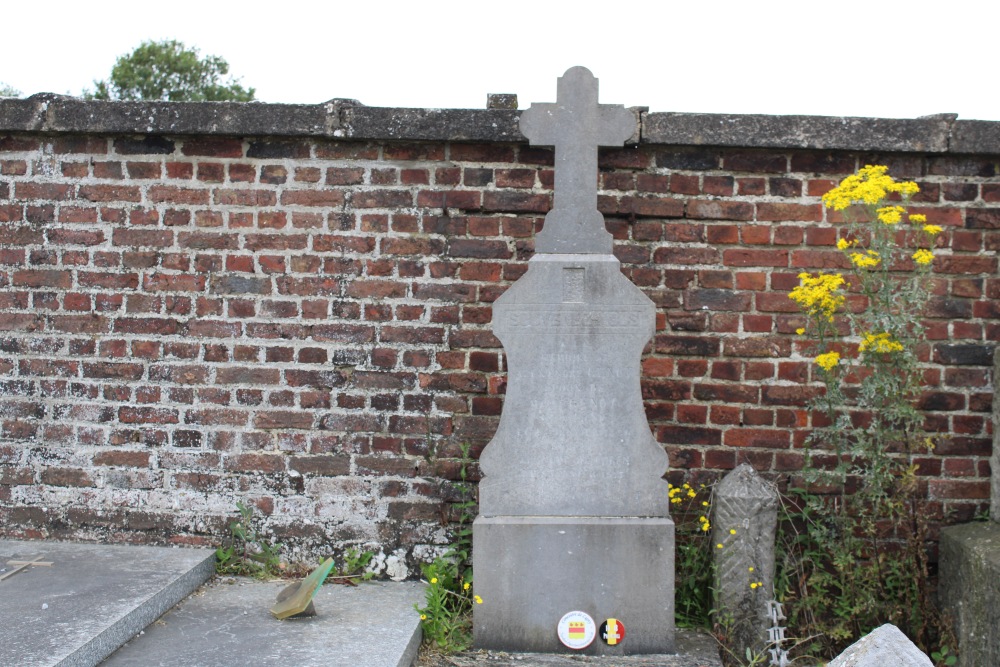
{"x":572,"y":287}
{"x":543,"y":317}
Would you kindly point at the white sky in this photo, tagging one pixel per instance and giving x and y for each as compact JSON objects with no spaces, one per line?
{"x":831,"y":58}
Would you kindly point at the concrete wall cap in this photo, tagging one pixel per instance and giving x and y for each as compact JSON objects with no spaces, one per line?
{"x":349,"y":119}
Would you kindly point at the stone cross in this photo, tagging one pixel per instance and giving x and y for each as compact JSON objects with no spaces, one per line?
{"x":576,"y":125}
{"x":573,"y":510}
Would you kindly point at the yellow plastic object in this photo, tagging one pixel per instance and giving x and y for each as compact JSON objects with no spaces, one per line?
{"x":297,"y":598}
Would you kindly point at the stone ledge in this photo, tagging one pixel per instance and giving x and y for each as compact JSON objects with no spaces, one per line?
{"x":921,"y":135}
{"x":347,"y":119}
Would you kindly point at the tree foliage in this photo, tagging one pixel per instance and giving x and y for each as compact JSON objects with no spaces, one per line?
{"x":170,"y":71}
{"x":8,"y":91}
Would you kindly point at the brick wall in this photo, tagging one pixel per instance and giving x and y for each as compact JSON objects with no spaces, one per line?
{"x":299,"y":319}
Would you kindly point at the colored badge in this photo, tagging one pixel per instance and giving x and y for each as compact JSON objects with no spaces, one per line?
{"x":612,"y":632}
{"x":577,"y":630}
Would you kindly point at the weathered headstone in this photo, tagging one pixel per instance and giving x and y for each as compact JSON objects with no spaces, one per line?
{"x":745,"y":518}
{"x":995,"y":459}
{"x":573,"y":509}
{"x":885,"y":646}
{"x":969,"y":570}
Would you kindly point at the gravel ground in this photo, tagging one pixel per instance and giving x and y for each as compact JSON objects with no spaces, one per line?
{"x":695,"y":649}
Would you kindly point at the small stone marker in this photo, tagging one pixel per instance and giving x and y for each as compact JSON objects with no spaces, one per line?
{"x":885,"y":646}
{"x":573,"y":512}
{"x":745,"y":518}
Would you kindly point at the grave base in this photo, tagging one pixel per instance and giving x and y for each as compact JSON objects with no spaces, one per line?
{"x":530,"y":571}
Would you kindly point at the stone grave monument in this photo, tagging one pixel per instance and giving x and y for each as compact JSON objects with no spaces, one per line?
{"x":574,"y":545}
{"x":744,"y":567}
{"x":969,"y":568}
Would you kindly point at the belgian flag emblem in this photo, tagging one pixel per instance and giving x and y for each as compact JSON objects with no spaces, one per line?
{"x":612,"y":632}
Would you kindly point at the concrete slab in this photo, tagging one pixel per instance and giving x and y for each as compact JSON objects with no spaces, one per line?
{"x":227,"y":623}
{"x":91,"y":600}
{"x":694,"y":649}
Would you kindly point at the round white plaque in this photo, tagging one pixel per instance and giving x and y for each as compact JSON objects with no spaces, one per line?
{"x":577,"y":630}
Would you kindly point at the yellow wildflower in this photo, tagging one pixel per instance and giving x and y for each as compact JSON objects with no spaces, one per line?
{"x":819,"y":295}
{"x":423,"y":617}
{"x":828,"y":361}
{"x":918,"y":218}
{"x":719,"y":545}
{"x":691,"y":494}
{"x":479,"y":600}
{"x":749,"y":569}
{"x":705,"y":527}
{"x":933,"y":230}
{"x":869,"y":186}
{"x":465,"y":587}
{"x":753,"y":585}
{"x":732,"y":531}
{"x":704,"y":503}
{"x":923,"y":256}
{"x":800,"y":331}
{"x":890,"y":215}
{"x":434,"y":580}
{"x":881,"y":342}
{"x":867,"y":260}
{"x":844,"y":244}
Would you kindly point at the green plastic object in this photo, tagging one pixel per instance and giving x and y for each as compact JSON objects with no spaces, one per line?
{"x":296,"y":599}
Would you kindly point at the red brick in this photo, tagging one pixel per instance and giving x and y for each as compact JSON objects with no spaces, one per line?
{"x":755,"y":234}
{"x":42,"y":278}
{"x":73,"y":477}
{"x":213,"y":147}
{"x":798,"y":212}
{"x":651,"y":206}
{"x":754,"y":162}
{"x":741,"y":257}
{"x":147,"y":415}
{"x":502,"y":201}
{"x":326,"y":198}
{"x":277,"y":419}
{"x":719,"y":210}
{"x":45,"y":191}
{"x":757,"y":437}
{"x":686,"y":255}
{"x":481,"y":153}
{"x":244,"y":197}
{"x":128,"y":459}
{"x":109,"y":193}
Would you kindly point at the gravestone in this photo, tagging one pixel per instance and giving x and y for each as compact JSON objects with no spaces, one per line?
{"x":744,"y":522}
{"x":995,"y":458}
{"x":573,"y":513}
{"x":969,"y":569}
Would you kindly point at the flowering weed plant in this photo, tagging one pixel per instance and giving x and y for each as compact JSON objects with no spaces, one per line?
{"x":695,"y":565}
{"x":446,"y":617}
{"x":854,"y":538}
